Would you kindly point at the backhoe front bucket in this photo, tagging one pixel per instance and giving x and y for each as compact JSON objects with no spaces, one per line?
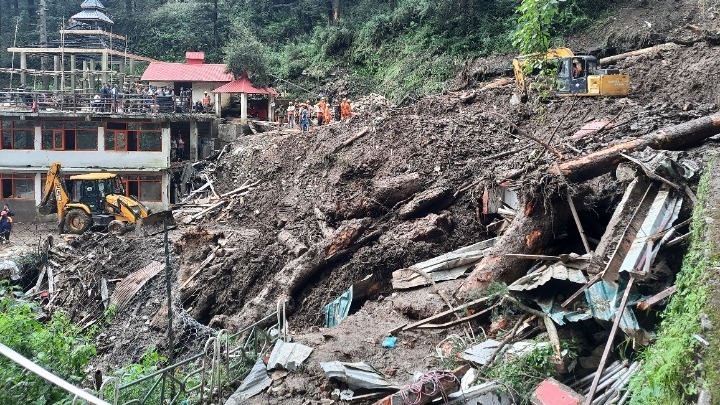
{"x":157,"y":218}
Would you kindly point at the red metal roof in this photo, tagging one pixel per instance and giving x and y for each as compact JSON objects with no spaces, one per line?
{"x":195,"y":58}
{"x":183,"y":72}
{"x":243,"y":85}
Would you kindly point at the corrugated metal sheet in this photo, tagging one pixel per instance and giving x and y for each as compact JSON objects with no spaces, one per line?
{"x":481,"y":353}
{"x":442,"y":268}
{"x":183,"y":72}
{"x":604,"y":302}
{"x":356,"y":375}
{"x":339,"y":309}
{"x":255,"y":382}
{"x":662,"y":214}
{"x":243,"y":85}
{"x":288,"y":356}
{"x":131,"y":284}
{"x":559,"y":315}
{"x":557,"y":271}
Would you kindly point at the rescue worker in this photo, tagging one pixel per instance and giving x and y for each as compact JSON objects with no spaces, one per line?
{"x":321,"y":107}
{"x":5,"y":227}
{"x":327,"y":114}
{"x":345,"y":109}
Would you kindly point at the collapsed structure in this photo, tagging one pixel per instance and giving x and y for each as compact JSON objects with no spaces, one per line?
{"x":400,"y":256}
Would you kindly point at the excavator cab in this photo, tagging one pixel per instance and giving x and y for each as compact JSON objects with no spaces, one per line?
{"x":579,"y":75}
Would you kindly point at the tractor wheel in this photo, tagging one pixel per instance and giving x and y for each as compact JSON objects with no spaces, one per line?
{"x":77,"y":221}
{"x":117,"y":227}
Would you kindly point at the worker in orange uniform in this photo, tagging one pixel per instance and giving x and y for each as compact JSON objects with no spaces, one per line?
{"x":327,"y":114}
{"x":345,"y":109}
{"x":321,"y":107}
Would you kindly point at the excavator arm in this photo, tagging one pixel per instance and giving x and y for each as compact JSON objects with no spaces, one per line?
{"x":55,"y":196}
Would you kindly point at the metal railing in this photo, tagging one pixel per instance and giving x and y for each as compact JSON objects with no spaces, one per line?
{"x":124,"y":103}
{"x":201,"y":379}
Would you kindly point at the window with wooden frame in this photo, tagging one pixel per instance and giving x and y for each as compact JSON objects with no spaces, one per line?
{"x":17,"y":186}
{"x":17,"y":135}
{"x":70,"y":135}
{"x":133,"y":136}
{"x":145,"y":188}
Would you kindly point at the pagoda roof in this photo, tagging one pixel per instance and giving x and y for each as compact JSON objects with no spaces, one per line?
{"x":92,"y":4}
{"x":92,"y":15}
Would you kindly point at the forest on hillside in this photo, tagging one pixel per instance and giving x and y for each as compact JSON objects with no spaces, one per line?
{"x":401,"y":48}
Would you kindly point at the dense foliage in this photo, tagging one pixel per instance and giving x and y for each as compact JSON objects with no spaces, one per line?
{"x":402,"y":47}
{"x":57,"y":346}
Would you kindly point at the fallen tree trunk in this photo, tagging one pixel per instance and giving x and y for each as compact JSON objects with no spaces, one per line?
{"x":674,"y":137}
{"x":532,"y":230}
{"x":638,"y":52}
{"x":348,"y":238}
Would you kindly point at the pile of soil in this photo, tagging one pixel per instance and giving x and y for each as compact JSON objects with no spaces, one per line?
{"x":409,"y":189}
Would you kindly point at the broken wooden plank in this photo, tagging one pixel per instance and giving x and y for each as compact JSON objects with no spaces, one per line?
{"x":205,"y":212}
{"x":648,"y":303}
{"x":352,"y":139}
{"x":456,"y":321}
{"x":674,"y":137}
{"x":439,"y":315}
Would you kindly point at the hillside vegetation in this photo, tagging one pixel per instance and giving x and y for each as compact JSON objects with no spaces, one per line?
{"x":400,"y":48}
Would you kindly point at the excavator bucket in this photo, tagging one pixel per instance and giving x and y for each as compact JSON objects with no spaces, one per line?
{"x":153,"y":223}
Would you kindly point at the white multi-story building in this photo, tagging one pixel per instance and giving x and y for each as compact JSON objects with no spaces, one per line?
{"x":136,"y":147}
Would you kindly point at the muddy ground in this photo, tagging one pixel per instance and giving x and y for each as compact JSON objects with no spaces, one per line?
{"x":453,"y":144}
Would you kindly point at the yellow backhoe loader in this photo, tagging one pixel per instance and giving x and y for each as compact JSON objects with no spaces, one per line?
{"x":577,"y":75}
{"x":99,"y":201}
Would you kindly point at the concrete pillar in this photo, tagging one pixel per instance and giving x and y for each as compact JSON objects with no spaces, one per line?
{"x":91,"y":75}
{"x":218,"y":105}
{"x":243,"y":108}
{"x":23,"y":68}
{"x":56,"y":69}
{"x":166,"y":190}
{"x":121,"y":76}
{"x":73,"y":73}
{"x":85,"y":75}
{"x":38,"y":188}
{"x":166,"y":137}
{"x":271,"y":108}
{"x":194,"y":140}
{"x":132,"y":69}
{"x":101,"y":139}
{"x":105,"y":66}
{"x":37,"y":144}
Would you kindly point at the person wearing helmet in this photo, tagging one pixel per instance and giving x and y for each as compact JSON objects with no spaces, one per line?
{"x":5,"y":227}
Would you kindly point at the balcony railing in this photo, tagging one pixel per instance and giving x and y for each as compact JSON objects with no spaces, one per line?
{"x":39,"y":101}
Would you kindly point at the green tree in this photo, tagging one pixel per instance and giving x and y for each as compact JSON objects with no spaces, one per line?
{"x":244,"y":52}
{"x":535,"y":25}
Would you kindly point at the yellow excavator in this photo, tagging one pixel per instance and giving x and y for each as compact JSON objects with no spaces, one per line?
{"x":99,"y":201}
{"x":577,"y":75}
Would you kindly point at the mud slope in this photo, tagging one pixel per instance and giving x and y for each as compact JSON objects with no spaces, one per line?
{"x":448,"y":141}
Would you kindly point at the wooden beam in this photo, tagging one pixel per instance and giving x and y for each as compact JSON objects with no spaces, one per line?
{"x":82,"y":51}
{"x":93,"y":32}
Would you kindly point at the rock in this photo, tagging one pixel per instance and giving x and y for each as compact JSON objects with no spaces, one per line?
{"x":432,"y":199}
{"x":391,"y":190}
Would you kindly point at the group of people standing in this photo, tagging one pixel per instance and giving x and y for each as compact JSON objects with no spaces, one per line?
{"x":304,"y":115}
